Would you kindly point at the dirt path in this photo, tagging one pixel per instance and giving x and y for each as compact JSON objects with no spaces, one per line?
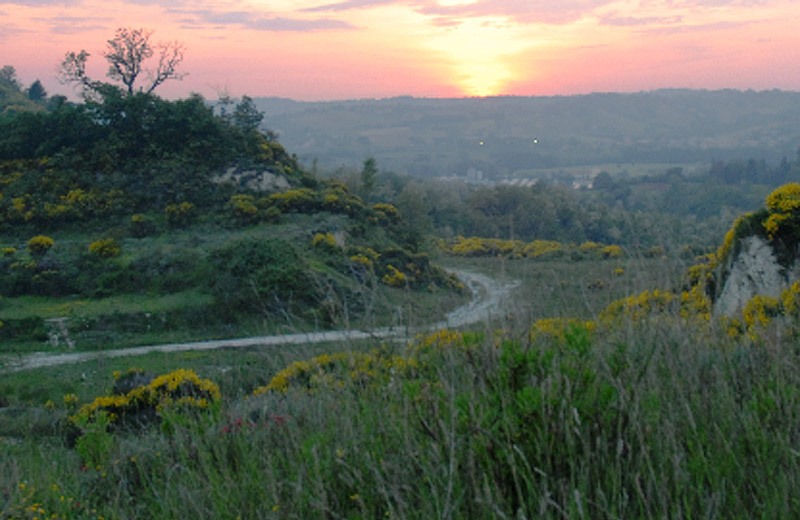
{"x":488,"y":296}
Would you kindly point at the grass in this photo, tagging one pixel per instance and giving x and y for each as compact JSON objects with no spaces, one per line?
{"x":653,"y":419}
{"x":171,"y":312}
{"x":53,"y":307}
{"x":656,"y":418}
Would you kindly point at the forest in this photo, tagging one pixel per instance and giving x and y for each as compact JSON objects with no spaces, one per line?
{"x":603,"y":386}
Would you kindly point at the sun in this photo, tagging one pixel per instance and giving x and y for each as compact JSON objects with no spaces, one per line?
{"x":482,"y":79}
{"x":481,"y":54}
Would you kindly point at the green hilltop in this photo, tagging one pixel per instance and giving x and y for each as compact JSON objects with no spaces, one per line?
{"x":129,"y":197}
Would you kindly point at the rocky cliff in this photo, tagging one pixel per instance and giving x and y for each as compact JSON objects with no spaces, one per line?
{"x":753,"y":270}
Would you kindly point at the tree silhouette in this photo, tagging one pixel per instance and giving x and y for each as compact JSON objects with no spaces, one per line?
{"x":127,"y":54}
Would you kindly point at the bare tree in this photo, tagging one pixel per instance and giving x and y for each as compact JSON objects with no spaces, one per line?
{"x":126,"y":54}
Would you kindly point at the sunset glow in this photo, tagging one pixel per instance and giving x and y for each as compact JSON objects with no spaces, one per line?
{"x":318,"y":49}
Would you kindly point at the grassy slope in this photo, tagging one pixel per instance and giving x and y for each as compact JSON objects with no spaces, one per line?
{"x":657,"y":420}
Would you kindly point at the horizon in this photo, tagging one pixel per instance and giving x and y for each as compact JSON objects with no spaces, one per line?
{"x":400,"y":97}
{"x":313,"y":50}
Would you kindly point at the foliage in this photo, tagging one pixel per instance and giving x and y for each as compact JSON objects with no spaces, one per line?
{"x":261,"y":276}
{"x":105,"y":248}
{"x":333,"y":372}
{"x":783,"y":220}
{"x":180,"y":215}
{"x":141,"y":226}
{"x":39,"y":245}
{"x":394,"y":277}
{"x":243,"y":207}
{"x":144,"y":404}
{"x":536,"y":249}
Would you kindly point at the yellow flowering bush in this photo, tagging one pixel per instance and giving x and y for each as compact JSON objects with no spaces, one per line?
{"x":179,"y":215}
{"x":40,"y":244}
{"x":790,"y":299}
{"x":394,"y":277}
{"x":243,"y":207}
{"x":540,"y":248}
{"x":298,"y":199}
{"x":760,"y":310}
{"x":325,"y":241}
{"x":783,"y":206}
{"x":362,"y":261}
{"x":589,"y":246}
{"x":181,"y":389}
{"x":555,"y":329}
{"x":386,"y":213}
{"x":337,"y":371}
{"x":695,"y":303}
{"x":612,"y":251}
{"x":639,"y":306}
{"x":105,"y":248}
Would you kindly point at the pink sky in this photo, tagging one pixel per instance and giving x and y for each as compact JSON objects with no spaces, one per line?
{"x":344,"y":49}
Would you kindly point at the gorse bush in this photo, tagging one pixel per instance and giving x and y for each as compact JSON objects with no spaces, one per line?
{"x":40,"y":244}
{"x":138,"y":405}
{"x":105,"y":248}
{"x":783,"y":206}
{"x":536,"y":249}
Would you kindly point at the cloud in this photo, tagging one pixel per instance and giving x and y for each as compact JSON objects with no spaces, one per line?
{"x":259,"y":22}
{"x":449,"y":13}
{"x":631,"y":21}
{"x":348,"y":5}
{"x":520,"y":11}
{"x":74,"y":24}
{"x":39,"y":3}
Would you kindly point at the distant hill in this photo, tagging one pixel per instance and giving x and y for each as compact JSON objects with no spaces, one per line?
{"x":503,"y":135}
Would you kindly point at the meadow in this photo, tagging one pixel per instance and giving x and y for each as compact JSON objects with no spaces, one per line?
{"x":654,"y":416}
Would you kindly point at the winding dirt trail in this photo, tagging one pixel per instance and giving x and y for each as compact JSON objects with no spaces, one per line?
{"x":488,"y":296}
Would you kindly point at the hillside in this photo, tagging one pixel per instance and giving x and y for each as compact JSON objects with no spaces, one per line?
{"x":131,"y":219}
{"x":501,"y":136}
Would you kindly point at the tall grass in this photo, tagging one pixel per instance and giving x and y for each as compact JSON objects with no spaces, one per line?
{"x":650,"y":420}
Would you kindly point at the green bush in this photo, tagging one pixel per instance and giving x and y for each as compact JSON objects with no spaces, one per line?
{"x":180,"y":215}
{"x":141,"y":226}
{"x":253,"y":275}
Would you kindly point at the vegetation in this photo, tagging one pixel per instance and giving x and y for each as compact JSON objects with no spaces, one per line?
{"x":605,"y":388}
{"x":130,"y":195}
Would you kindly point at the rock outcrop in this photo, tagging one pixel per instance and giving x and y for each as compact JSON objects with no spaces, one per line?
{"x":255,"y":180}
{"x":753,"y":270}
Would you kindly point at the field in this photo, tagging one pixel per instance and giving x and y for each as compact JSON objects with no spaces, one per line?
{"x":648,"y":418}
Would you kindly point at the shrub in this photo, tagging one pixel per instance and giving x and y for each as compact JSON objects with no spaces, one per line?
{"x":325,"y":241}
{"x":541,"y":248}
{"x":146,"y":403}
{"x":141,"y":226}
{"x":40,"y":244}
{"x":386,"y":213}
{"x":105,"y":248}
{"x":394,"y":277}
{"x":612,"y":251}
{"x":298,"y":200}
{"x":243,"y":207}
{"x":337,"y":371}
{"x":180,"y":215}
{"x":261,"y":275}
{"x":783,"y":206}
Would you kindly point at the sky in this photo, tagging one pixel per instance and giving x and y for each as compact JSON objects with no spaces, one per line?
{"x":315,"y":50}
